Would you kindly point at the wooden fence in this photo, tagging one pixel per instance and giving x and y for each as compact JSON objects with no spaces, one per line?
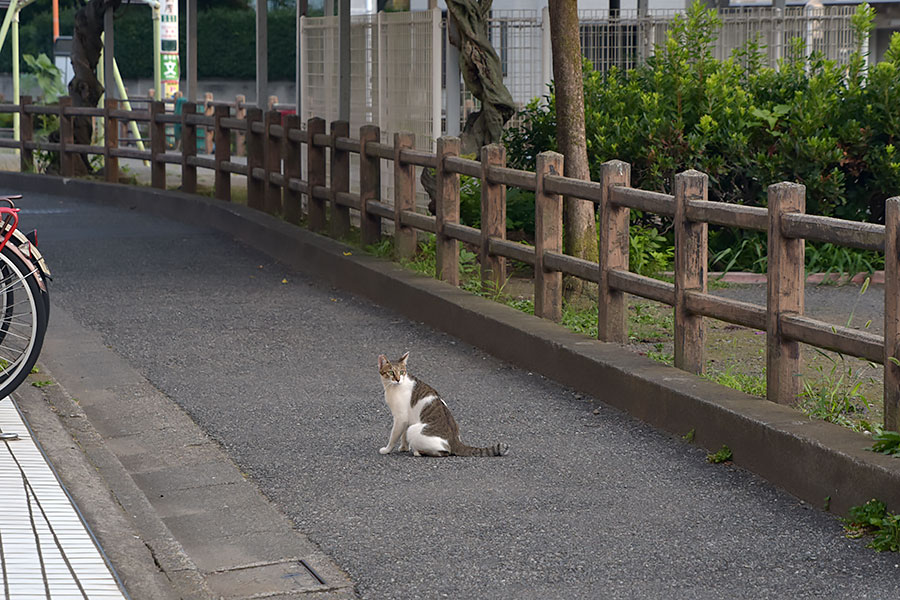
{"x":275,"y":184}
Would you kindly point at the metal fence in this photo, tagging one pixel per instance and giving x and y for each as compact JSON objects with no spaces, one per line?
{"x":626,"y":39}
{"x":396,"y":77}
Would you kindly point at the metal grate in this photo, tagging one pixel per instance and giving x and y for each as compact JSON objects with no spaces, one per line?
{"x":46,"y":550}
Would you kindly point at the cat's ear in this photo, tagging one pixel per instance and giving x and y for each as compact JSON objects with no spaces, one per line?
{"x":382,"y":360}
{"x":403,"y":358}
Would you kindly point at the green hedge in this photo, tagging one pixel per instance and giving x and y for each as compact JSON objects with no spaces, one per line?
{"x":226,"y":42}
{"x":834,"y":128}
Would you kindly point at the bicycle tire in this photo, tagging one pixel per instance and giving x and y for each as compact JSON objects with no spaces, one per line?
{"x":25,"y":315}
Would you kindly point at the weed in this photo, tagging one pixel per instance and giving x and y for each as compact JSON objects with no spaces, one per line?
{"x":886,"y":442}
{"x":649,"y":252}
{"x":724,"y":454}
{"x":689,"y":436}
{"x":836,"y":395}
{"x":35,"y":370}
{"x":872,"y":518}
{"x":755,"y":385}
{"x":657,"y":354}
{"x":41,"y":384}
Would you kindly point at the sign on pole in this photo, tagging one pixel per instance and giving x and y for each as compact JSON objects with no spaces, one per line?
{"x":168,"y":35}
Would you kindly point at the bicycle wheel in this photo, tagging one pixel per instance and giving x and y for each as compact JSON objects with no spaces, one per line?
{"x":23,"y":310}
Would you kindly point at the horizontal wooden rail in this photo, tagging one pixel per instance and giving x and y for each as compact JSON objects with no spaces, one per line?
{"x":745,"y":314}
{"x":418,"y":157}
{"x":385,"y":211}
{"x":296,"y":135}
{"x":463,"y":166}
{"x":463,"y":233}
{"x":298,"y":185}
{"x":512,"y":250}
{"x":655,"y":202}
{"x":233,"y":167}
{"x":379,"y":150}
{"x":347,"y":199}
{"x":525,"y":180}
{"x":865,"y":236}
{"x":88,"y":149}
{"x":729,"y":215}
{"x":83,"y":111}
{"x":347,"y":144}
{"x":168,"y":119}
{"x":234,"y":124}
{"x":130,"y":153}
{"x":845,"y":340}
{"x":419,"y":221}
{"x":645,"y":287}
{"x":564,"y":186}
{"x":571,"y":265}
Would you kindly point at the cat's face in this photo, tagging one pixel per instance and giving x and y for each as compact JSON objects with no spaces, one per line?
{"x":392,"y":373}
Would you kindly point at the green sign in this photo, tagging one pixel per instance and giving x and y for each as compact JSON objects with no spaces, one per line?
{"x":169,"y":70}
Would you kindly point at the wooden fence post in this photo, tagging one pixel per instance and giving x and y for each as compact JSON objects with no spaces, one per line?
{"x":340,"y":180}
{"x":240,"y":137}
{"x":209,"y":111}
{"x":369,"y":185}
{"x":892,"y":314}
{"x":223,"y":154}
{"x":26,"y":134}
{"x":293,"y":169}
{"x":446,"y":266}
{"x":613,"y":253}
{"x":110,"y":162}
{"x":188,"y":148}
{"x":256,"y":188}
{"x":548,"y":218}
{"x":66,"y":138}
{"x":272,"y":163}
{"x":690,"y":271}
{"x":493,"y":217}
{"x":785,"y":294}
{"x":315,"y":173}
{"x":157,"y":146}
{"x":404,"y":196}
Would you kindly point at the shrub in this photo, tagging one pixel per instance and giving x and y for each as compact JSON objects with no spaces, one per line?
{"x":833,"y":128}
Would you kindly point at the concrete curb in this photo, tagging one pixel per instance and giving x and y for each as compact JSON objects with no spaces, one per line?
{"x":820,"y":463}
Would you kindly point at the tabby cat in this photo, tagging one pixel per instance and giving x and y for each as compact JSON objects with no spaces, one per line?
{"x":422,"y":421}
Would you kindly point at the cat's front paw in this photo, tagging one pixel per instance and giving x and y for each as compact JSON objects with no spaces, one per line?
{"x":404,"y":448}
{"x":384,"y":450}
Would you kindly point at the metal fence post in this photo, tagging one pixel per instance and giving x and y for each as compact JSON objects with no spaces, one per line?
{"x":784,"y":294}
{"x":548,"y":218}
{"x":613,"y":253}
{"x":690,"y":271}
{"x":446,"y":266}
{"x":493,"y":217}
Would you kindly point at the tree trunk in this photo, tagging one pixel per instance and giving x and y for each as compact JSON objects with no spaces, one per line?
{"x":85,"y":88}
{"x":580,"y":236}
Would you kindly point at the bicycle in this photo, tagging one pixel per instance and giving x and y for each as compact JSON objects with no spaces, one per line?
{"x":24,"y":300}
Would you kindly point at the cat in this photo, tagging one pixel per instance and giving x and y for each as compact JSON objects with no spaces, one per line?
{"x":422,"y":421}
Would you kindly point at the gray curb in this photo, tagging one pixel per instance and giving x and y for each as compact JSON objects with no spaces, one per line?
{"x":816,"y":461}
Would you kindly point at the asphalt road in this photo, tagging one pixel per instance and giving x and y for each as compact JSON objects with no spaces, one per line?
{"x":282,"y":372}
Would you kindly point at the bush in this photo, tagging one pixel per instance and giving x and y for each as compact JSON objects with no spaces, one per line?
{"x":833,"y":128}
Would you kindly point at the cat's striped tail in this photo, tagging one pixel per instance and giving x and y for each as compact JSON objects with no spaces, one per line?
{"x":461,"y":449}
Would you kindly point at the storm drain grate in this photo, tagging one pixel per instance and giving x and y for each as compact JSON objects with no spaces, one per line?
{"x":46,"y":550}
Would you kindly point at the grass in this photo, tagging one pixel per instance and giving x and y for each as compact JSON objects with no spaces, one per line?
{"x":872,"y":520}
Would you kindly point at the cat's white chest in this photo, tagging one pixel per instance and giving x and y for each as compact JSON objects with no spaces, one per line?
{"x":397,"y":397}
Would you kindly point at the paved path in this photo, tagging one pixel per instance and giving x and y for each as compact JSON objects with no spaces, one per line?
{"x":281,"y":372}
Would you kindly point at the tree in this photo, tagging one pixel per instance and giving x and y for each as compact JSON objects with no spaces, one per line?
{"x":580,"y":230}
{"x":85,"y":88}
